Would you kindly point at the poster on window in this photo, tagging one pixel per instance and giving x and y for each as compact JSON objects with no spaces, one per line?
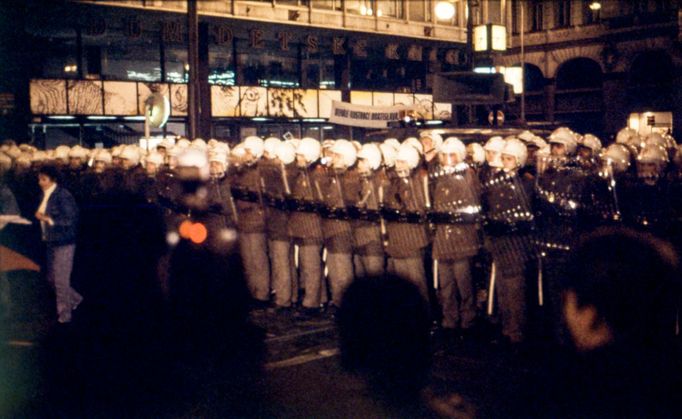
{"x":120,"y":98}
{"x":424,"y":106}
{"x":382,"y":99}
{"x":442,"y":111}
{"x":281,"y":103}
{"x":326,"y":99}
{"x":404,"y":99}
{"x":253,"y":101}
{"x":305,"y":103}
{"x":178,"y":99}
{"x":144,"y":90}
{"x":224,"y":101}
{"x":48,"y":97}
{"x":85,"y":97}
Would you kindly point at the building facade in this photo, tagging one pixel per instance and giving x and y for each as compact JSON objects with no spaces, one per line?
{"x":599,"y":65}
{"x":593,"y":65}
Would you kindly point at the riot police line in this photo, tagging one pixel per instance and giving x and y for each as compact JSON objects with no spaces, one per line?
{"x":312,"y":216}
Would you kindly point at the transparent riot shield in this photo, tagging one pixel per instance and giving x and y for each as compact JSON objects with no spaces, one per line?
{"x":559,"y":201}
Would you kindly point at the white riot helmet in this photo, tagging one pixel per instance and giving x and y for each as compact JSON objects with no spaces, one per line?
{"x":435,"y":139}
{"x":517,"y":149}
{"x":651,"y":162}
{"x":217,"y":163}
{"x":286,"y":153}
{"x":78,"y":152}
{"x":592,"y":142}
{"x":415,"y":143}
{"x":61,"y":152}
{"x":656,"y":139}
{"x":618,"y":157}
{"x":254,"y":145}
{"x":476,"y":154}
{"x":406,"y":160}
{"x":183,"y":143}
{"x":347,"y":153}
{"x":154,"y":158}
{"x":166,"y":143}
{"x":566,"y":137}
{"x":393,"y":142}
{"x":452,"y":145}
{"x":371,"y":155}
{"x":192,"y":165}
{"x":623,"y":136}
{"x":5,"y":162}
{"x":310,"y":149}
{"x":389,"y":153}
{"x":130,"y":154}
{"x":526,"y":136}
{"x":199,"y":144}
{"x":493,"y":147}
{"x":270,"y":147}
{"x":103,"y":156}
{"x":653,"y":154}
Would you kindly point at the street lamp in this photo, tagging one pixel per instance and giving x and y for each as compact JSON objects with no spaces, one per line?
{"x":445,"y":10}
{"x":490,"y":38}
{"x":595,"y":6}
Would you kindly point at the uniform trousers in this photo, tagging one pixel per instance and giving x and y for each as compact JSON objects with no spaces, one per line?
{"x":310,"y":273}
{"x":511,"y":300}
{"x":456,"y":293}
{"x":284,"y":282}
{"x":253,"y":250}
{"x":340,"y":274}
{"x":412,"y":270}
{"x":368,"y":265}
{"x":59,"y":266}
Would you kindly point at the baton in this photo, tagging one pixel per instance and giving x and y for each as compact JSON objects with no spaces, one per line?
{"x":491,"y":289}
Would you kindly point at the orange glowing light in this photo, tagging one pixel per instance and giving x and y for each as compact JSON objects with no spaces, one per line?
{"x":185,"y":229}
{"x":198,"y":233}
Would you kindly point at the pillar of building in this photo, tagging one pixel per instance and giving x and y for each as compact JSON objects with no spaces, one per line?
{"x":677,"y":105}
{"x":550,"y":99}
{"x":615,"y":102}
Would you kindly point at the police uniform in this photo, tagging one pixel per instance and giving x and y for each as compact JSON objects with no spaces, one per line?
{"x":509,"y":225}
{"x":284,"y":278}
{"x":336,"y":230}
{"x":251,"y":225}
{"x":456,"y":208}
{"x":407,"y":235}
{"x":306,"y":232}
{"x":368,"y":251}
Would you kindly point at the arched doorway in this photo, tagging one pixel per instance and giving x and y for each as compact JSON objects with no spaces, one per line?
{"x":579,"y":100}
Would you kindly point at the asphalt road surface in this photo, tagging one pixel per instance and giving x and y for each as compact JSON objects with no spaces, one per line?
{"x":303,"y":375}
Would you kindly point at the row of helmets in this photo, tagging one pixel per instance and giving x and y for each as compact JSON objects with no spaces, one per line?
{"x":628,"y":147}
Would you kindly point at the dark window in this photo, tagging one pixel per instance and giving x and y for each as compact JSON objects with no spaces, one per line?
{"x":563,"y":13}
{"x":537,"y":17}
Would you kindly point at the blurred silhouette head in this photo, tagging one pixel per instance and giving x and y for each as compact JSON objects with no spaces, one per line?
{"x":384,"y":335}
{"x":621,"y":287}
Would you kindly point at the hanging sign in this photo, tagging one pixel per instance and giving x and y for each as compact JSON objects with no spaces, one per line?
{"x":344,"y":113}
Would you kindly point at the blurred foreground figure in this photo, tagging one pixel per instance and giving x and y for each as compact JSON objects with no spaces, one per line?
{"x":384,"y":337}
{"x":620,"y":309}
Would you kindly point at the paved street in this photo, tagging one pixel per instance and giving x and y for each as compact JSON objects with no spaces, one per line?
{"x":303,"y":375}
